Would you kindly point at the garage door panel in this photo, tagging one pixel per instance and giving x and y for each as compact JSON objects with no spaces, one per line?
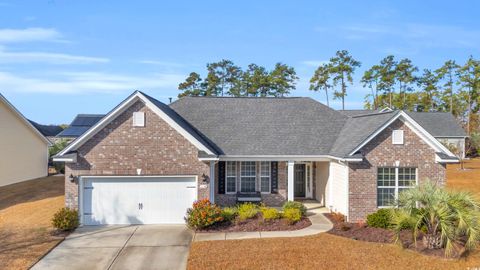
{"x":138,"y":200}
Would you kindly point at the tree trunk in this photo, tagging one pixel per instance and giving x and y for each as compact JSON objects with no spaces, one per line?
{"x":390,"y":99}
{"x":432,"y":241}
{"x":326,"y":94}
{"x":343,"y":94}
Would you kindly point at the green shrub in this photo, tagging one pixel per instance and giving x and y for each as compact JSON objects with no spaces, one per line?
{"x":65,"y":219}
{"x":203,"y":214}
{"x":380,"y":219}
{"x":247,"y":210}
{"x":292,"y":215}
{"x":270,"y":213}
{"x":295,"y":205}
{"x":229,"y":213}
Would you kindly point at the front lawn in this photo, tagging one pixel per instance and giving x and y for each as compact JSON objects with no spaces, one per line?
{"x":326,"y":251}
{"x":26,"y":210}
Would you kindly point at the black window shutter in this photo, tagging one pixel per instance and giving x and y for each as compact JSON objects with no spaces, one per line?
{"x":221,"y":177}
{"x":274,"y":177}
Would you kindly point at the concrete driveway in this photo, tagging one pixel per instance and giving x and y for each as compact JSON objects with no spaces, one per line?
{"x":122,"y":247}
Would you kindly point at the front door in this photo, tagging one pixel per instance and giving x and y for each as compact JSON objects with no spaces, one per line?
{"x":299,"y":180}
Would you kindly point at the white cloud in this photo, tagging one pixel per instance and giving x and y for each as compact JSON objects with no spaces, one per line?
{"x":29,"y":34}
{"x":87,"y":82}
{"x":160,"y":63}
{"x":413,"y":35}
{"x":51,"y":58}
{"x":314,"y":63}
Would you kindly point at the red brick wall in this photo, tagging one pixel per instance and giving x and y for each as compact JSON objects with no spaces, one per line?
{"x":380,"y":152}
{"x":120,"y":148}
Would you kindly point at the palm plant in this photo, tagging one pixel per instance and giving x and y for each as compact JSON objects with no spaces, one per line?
{"x":445,"y":217}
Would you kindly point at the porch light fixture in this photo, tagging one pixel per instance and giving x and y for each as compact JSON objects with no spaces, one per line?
{"x":205,"y":178}
{"x":72,"y":178}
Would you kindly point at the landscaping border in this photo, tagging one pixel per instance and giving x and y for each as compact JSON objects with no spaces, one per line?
{"x":320,"y":224}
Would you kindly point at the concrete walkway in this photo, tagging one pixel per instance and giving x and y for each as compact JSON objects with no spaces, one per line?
{"x":319,"y":224}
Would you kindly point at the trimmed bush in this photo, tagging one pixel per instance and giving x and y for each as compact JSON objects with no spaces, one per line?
{"x":270,"y":213}
{"x":203,"y":214}
{"x":229,"y":213}
{"x":295,"y":205}
{"x":292,"y":215}
{"x":65,"y":219}
{"x":247,"y":211}
{"x":380,"y":219}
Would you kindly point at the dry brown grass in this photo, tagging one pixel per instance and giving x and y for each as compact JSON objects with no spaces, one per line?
{"x":325,"y":251}
{"x":26,"y":210}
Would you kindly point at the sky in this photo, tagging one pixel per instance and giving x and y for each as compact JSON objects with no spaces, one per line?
{"x":62,"y":58}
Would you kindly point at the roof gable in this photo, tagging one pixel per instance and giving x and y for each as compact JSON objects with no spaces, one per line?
{"x":24,"y":120}
{"x":413,"y":125}
{"x":157,"y":107}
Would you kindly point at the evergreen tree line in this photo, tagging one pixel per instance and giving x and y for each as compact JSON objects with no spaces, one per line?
{"x":394,"y":83}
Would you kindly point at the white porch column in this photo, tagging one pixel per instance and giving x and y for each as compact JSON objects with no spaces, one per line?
{"x":212,"y":181}
{"x":290,"y":174}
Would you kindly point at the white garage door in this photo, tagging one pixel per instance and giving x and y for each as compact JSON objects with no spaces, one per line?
{"x":137,"y":200}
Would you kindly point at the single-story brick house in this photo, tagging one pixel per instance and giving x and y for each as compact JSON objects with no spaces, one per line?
{"x":146,"y":162}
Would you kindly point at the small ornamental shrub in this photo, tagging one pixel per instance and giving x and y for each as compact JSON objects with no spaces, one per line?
{"x":337,"y":217}
{"x":65,"y":219}
{"x":292,"y":215}
{"x":203,"y":214}
{"x":295,"y":205}
{"x":270,"y":213}
{"x":380,"y":219}
{"x":229,"y":213}
{"x":247,"y":211}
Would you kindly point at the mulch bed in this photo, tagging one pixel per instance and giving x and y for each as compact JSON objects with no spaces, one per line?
{"x":361,"y":232}
{"x":257,"y":224}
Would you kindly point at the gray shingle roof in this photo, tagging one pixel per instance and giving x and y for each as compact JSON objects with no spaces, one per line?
{"x":356,"y":130}
{"x":439,"y":124}
{"x":263,"y":126}
{"x":47,"y":130}
{"x":291,"y":126}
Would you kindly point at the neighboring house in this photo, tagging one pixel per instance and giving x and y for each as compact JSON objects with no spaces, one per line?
{"x":49,"y":131}
{"x":23,"y":148}
{"x":146,"y":162}
{"x":79,"y":125}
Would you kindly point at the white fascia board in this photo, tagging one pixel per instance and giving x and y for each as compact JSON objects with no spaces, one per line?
{"x":121,"y":108}
{"x":279,"y":158}
{"x":25,"y":120}
{"x":440,"y":160}
{"x":70,"y":158}
{"x":413,"y":125}
{"x":209,"y":159}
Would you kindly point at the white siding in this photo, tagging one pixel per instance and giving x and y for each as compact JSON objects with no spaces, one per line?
{"x":321,"y":174}
{"x":458,"y":142}
{"x":337,"y":188}
{"x":24,"y":155}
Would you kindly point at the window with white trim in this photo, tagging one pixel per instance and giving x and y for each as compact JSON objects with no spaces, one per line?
{"x":247,"y":176}
{"x":391,"y":181}
{"x":138,"y":119}
{"x":231,"y":177}
{"x":265,"y":175}
{"x":397,"y":136}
